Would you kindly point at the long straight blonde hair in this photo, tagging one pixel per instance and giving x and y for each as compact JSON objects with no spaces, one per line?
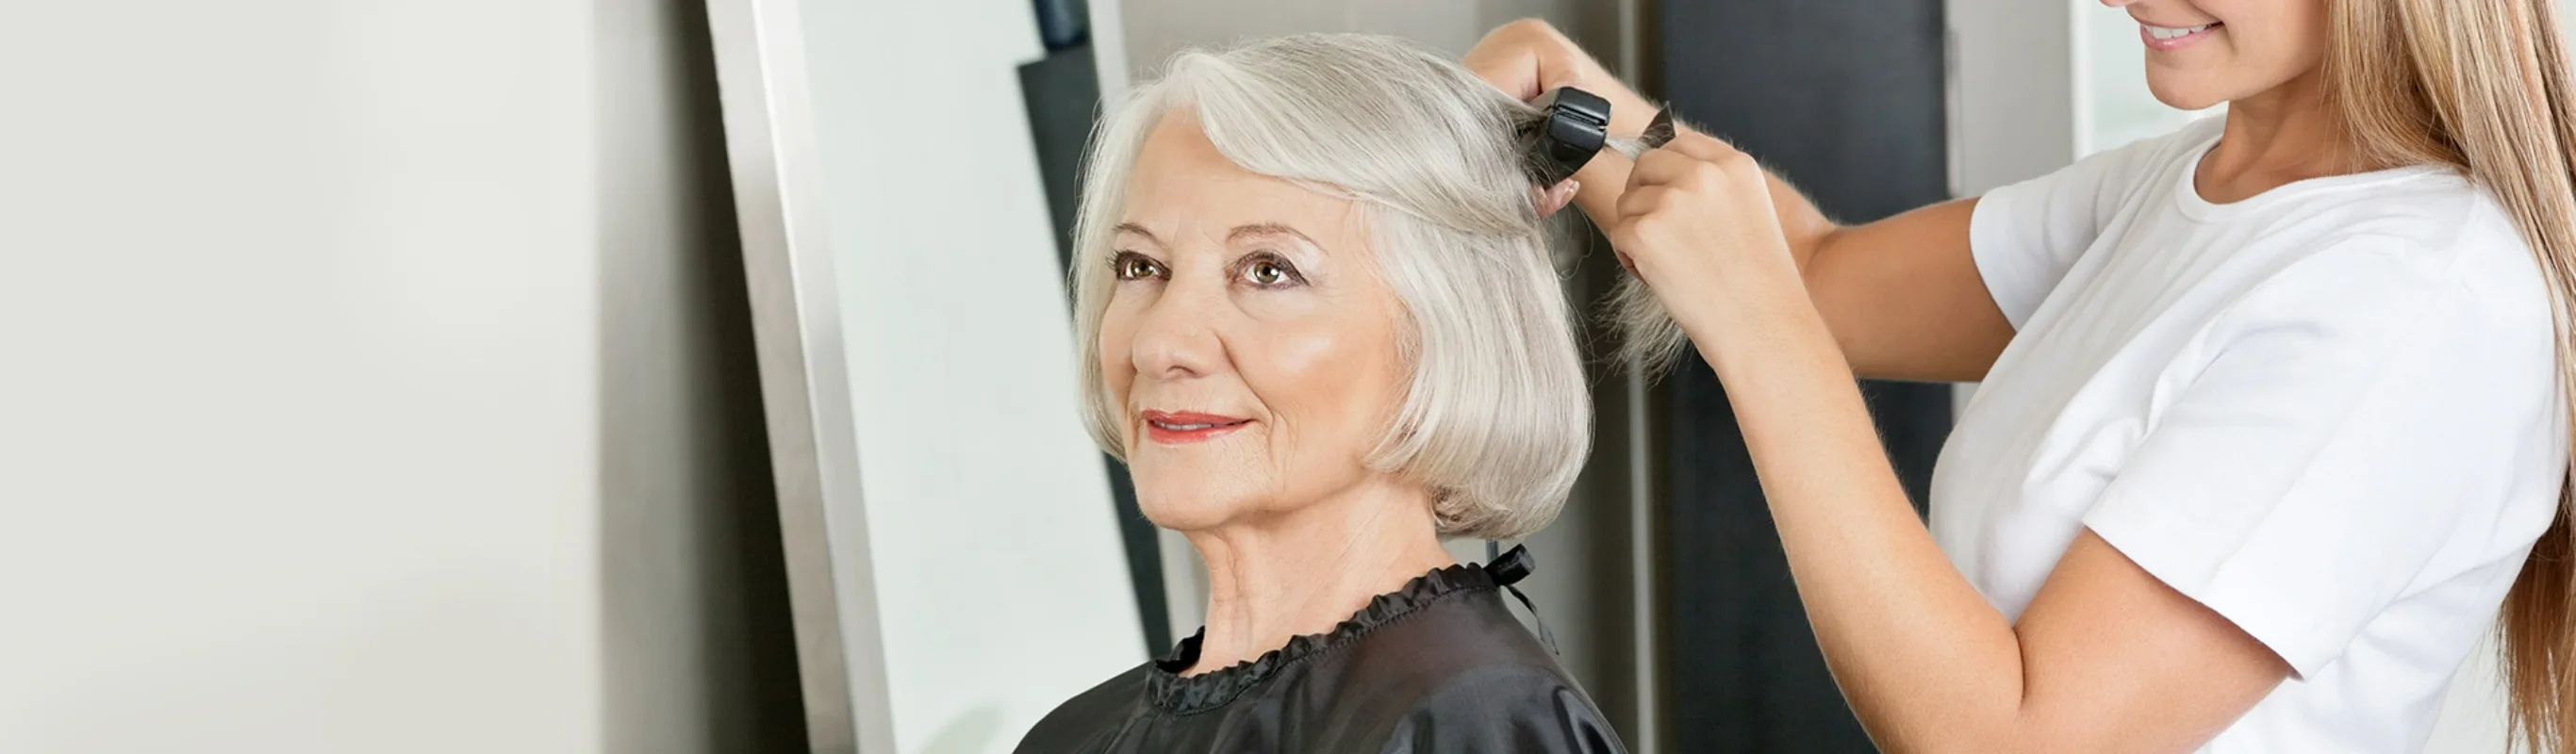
{"x":2482,"y":86}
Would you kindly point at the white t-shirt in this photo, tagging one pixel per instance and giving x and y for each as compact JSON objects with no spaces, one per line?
{"x":2328,"y":412}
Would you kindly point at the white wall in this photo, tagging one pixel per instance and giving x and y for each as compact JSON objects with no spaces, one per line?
{"x":2012,"y":91}
{"x":311,"y":318}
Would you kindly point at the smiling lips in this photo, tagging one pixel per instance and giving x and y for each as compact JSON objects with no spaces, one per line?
{"x":2169,"y":38}
{"x":1175,"y":428}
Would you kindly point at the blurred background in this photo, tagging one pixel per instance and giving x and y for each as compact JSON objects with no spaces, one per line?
{"x":542,"y":376}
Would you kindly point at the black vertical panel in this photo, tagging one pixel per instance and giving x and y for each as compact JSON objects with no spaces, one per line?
{"x":1063,"y":94}
{"x":1845,"y":100}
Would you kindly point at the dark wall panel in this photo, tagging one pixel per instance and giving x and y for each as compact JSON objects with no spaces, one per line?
{"x":1845,"y":100}
{"x":1063,"y":96}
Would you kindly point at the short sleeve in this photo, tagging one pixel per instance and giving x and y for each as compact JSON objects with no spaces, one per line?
{"x":2025,"y":236}
{"x":2353,"y":411}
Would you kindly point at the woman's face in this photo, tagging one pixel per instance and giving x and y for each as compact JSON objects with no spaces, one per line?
{"x":1249,"y":335}
{"x":2204,"y":52}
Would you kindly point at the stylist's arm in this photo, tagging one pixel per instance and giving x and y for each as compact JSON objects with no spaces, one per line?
{"x":2107,"y":658}
{"x":1901,"y":294}
{"x":2285,"y":397}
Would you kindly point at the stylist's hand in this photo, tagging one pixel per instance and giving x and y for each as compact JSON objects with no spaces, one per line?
{"x":1696,"y":224}
{"x":1527,"y":58}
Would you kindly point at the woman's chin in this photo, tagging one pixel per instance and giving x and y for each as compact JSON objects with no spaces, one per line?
{"x":1191,"y":509}
{"x":1183,"y":520}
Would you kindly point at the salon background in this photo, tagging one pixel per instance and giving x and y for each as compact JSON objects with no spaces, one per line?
{"x":382,"y":375}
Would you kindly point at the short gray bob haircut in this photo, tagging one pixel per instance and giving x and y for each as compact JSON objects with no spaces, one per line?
{"x":1496,"y":420}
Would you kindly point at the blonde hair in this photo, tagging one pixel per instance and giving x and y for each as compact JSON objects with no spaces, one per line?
{"x":1496,"y":420}
{"x":2482,"y":86}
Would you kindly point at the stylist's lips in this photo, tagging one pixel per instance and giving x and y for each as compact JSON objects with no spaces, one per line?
{"x":1175,"y":428}
{"x":2170,"y":38}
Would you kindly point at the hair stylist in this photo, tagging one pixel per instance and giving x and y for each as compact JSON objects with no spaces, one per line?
{"x":2272,"y":414}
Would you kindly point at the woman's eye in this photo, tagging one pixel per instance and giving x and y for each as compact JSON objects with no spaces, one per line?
{"x":1136,"y":267}
{"x":1268,"y":272}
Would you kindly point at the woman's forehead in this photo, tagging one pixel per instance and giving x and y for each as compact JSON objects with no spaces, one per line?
{"x":1183,"y":187}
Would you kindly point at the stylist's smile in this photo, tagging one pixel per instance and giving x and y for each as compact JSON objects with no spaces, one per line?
{"x":1174,"y":428}
{"x":2170,"y":38}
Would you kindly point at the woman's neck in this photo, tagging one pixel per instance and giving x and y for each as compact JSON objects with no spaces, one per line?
{"x":2285,"y":134}
{"x":1305,"y":571}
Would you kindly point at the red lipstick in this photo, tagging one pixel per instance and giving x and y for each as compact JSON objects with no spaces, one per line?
{"x":1178,"y":427}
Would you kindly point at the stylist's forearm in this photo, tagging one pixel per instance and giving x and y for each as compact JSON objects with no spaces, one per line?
{"x":1606,"y":177}
{"x":1928,"y":664}
{"x":1805,"y":226}
{"x":1599,"y":185}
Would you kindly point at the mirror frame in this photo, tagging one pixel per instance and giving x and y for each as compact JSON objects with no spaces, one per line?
{"x":804,"y":379}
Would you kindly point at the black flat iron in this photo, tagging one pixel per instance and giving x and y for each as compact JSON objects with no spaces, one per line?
{"x":1575,"y":126}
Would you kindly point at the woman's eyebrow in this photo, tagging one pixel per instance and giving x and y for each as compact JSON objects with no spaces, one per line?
{"x":1136,"y":229}
{"x":1241,"y":232}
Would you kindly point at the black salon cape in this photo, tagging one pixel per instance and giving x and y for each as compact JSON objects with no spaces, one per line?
{"x":1437,"y":667}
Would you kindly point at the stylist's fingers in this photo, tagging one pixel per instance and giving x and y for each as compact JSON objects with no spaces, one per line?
{"x":1694,"y":211}
{"x":1699,"y":145}
{"x":1641,"y":200}
{"x":1554,"y":198}
{"x":1689,"y":160}
{"x":1728,"y":169}
{"x":1635,"y":239}
{"x":1664,"y":167}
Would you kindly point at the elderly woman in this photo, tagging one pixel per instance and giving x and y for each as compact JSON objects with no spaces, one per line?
{"x":1320,"y":322}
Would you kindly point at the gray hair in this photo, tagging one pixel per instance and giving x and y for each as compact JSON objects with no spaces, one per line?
{"x":1496,"y":420}
{"x":1650,"y":342}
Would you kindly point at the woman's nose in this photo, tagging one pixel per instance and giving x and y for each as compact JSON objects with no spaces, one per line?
{"x":1177,"y":337}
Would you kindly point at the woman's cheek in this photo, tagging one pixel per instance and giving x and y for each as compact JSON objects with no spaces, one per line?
{"x":1118,"y":361}
{"x":1324,"y":362}
{"x":1311,"y":353}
